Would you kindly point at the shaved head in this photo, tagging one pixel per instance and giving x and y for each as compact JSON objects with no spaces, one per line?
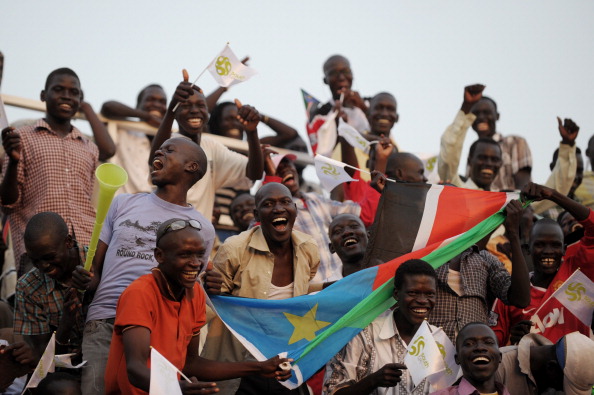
{"x":43,"y":224}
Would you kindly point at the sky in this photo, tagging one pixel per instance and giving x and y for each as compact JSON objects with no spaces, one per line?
{"x":535,"y":57}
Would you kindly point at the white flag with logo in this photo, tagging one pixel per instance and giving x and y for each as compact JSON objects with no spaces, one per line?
{"x":227,"y":70}
{"x":331,"y":172}
{"x":46,"y":364}
{"x":352,"y":136}
{"x":3,"y":117}
{"x":423,"y":357}
{"x":452,"y":370}
{"x":326,"y":135}
{"x":577,"y":295}
{"x":163,"y":376}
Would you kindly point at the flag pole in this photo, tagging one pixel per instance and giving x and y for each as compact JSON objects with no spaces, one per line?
{"x":193,"y":83}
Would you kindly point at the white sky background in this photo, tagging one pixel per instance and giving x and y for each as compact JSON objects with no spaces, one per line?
{"x":536,"y":57}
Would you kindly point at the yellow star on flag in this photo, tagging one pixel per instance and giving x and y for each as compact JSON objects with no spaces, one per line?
{"x":306,"y":326}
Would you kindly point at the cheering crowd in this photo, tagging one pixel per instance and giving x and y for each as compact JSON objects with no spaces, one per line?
{"x":185,"y":225}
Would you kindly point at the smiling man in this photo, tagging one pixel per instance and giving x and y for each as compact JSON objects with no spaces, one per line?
{"x":165,"y":310}
{"x":373,"y":361}
{"x":127,"y":241}
{"x":269,"y":261}
{"x":45,"y":301}
{"x":552,"y":267}
{"x":348,"y":239}
{"x":50,"y":165}
{"x":226,"y":168}
{"x":479,"y":357}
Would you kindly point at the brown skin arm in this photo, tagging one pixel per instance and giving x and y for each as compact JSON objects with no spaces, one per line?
{"x":284,"y":133}
{"x":538,"y":192}
{"x":249,"y":118}
{"x":472,"y":94}
{"x":11,"y":141}
{"x":519,"y":290}
{"x":522,"y":177}
{"x":383,"y":150}
{"x":103,"y":140}
{"x":205,"y":369}
{"x":388,"y":376}
{"x":116,"y":110}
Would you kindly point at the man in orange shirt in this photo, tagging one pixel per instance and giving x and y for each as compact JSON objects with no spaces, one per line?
{"x":165,"y":310}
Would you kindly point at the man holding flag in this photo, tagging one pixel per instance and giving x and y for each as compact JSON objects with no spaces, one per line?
{"x":374,"y":358}
{"x":552,"y":268}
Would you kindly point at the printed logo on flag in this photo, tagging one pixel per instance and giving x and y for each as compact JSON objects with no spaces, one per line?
{"x":444,"y":354}
{"x":330,"y":170}
{"x":223,"y":65}
{"x":431,"y":164}
{"x":574,"y":291}
{"x":417,"y":346}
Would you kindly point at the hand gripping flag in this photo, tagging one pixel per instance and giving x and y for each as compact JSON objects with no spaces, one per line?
{"x":227,"y":70}
{"x":423,"y":357}
{"x":568,"y":309}
{"x":331,"y":172}
{"x":313,"y":328}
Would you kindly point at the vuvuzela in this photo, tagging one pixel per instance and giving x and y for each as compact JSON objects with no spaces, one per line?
{"x":110,"y":177}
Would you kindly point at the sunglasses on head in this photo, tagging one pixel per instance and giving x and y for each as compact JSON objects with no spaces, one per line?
{"x":179,"y":225}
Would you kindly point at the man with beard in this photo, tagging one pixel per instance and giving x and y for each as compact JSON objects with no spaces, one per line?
{"x":552,"y":266}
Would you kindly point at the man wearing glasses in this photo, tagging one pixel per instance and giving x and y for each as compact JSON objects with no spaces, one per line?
{"x":127,"y":242}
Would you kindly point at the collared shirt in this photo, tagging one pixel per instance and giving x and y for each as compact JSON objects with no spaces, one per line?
{"x":483,"y":278}
{"x":375,"y":346}
{"x":516,"y":155}
{"x":465,"y":388}
{"x":39,"y":304}
{"x":314,"y":215}
{"x":54,"y":174}
{"x":246,"y":263}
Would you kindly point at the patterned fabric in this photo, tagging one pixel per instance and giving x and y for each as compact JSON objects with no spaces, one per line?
{"x":54,"y":174}
{"x":314,"y":214}
{"x":483,"y":279}
{"x":39,"y":302}
{"x":516,"y":156}
{"x":376,"y":345}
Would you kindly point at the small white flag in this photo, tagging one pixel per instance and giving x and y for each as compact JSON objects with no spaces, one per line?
{"x":577,"y":295}
{"x":331,"y":172}
{"x":46,"y":364}
{"x":3,"y":117}
{"x":326,"y":135}
{"x":227,"y":70}
{"x":352,"y":136}
{"x":163,"y":376}
{"x":423,"y":357}
{"x":452,"y":371}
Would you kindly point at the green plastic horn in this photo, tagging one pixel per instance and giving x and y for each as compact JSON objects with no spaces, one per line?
{"x":110,"y":177}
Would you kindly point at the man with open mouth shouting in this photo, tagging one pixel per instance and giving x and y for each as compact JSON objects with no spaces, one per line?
{"x":552,"y":267}
{"x":479,"y":357}
{"x":269,"y":261}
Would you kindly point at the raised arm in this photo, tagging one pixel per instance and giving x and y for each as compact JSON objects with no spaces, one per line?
{"x":538,"y":192}
{"x":452,"y":139}
{"x":9,"y":191}
{"x":249,"y":118}
{"x":103,"y":140}
{"x":519,"y":290}
{"x":564,"y":171}
{"x":284,"y":133}
{"x":182,"y":93}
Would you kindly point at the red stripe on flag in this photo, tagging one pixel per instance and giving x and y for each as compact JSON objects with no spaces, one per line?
{"x":386,"y":271}
{"x":461,"y":209}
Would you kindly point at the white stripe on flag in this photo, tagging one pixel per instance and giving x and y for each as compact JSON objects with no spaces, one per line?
{"x":428,"y":218}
